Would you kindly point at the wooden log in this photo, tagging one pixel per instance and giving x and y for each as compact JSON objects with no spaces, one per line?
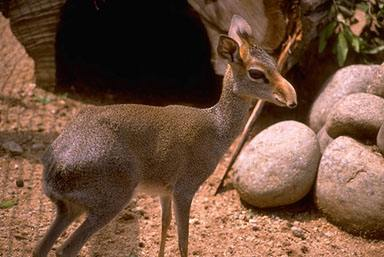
{"x":34,"y":25}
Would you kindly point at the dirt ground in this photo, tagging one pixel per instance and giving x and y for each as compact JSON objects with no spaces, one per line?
{"x":219,"y":226}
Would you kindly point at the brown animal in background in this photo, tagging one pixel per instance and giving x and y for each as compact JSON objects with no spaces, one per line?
{"x":107,"y":152}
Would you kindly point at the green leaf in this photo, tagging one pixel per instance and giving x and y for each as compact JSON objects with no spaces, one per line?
{"x":347,"y":33}
{"x":346,"y":3}
{"x":363,"y":6}
{"x":345,"y":11}
{"x":374,"y":50}
{"x":340,"y":18}
{"x":325,"y":34}
{"x":332,"y":11}
{"x":334,"y":50}
{"x":341,"y":49}
{"x":352,"y":39}
{"x":43,"y":100}
{"x":63,"y":96}
{"x":8,"y":203}
{"x":356,"y":44}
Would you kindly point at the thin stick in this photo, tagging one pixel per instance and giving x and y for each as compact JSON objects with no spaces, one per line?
{"x":256,"y":111}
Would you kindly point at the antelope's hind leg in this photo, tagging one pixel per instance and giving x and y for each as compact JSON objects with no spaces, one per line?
{"x":66,"y":213}
{"x":97,"y":217}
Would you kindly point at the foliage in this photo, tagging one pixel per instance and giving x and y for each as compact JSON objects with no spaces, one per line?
{"x":8,"y":203}
{"x":356,"y":25}
{"x":43,"y":100}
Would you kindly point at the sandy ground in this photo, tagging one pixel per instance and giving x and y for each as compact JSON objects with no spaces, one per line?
{"x":219,"y":226}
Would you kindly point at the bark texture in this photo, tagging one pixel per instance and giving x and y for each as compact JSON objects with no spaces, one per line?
{"x":34,"y":25}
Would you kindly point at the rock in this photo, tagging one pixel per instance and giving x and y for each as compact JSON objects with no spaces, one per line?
{"x":376,"y":87}
{"x":139,"y":210}
{"x":380,"y":139}
{"x":358,"y":115}
{"x":194,"y":221}
{"x":278,"y":167}
{"x":20,"y":237}
{"x":196,"y":253}
{"x":346,"y":81}
{"x":328,"y":234}
{"x":127,"y":216}
{"x":324,"y":139}
{"x":12,"y":147}
{"x":20,"y":183}
{"x":298,"y":232}
{"x":304,"y":249}
{"x":350,"y":187}
{"x":38,"y":147}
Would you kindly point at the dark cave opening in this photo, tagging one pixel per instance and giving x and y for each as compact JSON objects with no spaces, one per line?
{"x":151,"y":52}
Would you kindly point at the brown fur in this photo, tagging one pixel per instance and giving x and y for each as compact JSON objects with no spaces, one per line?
{"x":107,"y":152}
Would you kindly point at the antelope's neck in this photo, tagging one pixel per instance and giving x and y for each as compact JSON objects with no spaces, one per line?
{"x":231,"y":112}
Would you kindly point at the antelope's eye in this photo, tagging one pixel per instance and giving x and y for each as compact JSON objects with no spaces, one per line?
{"x":256,"y":74}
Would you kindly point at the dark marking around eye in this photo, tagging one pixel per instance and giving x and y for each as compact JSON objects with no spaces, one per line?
{"x":256,"y":74}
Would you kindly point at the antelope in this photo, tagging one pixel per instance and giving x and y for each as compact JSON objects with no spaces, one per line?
{"x":109,"y":152}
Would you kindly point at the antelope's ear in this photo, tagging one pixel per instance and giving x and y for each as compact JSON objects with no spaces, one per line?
{"x":240,"y":30}
{"x":228,"y":49}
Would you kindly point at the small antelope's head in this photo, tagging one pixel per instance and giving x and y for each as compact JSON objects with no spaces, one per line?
{"x":254,"y":71}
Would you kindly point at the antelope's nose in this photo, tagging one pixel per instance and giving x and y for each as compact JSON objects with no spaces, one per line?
{"x":286,"y":92}
{"x":287,"y":99}
{"x":292,"y":104}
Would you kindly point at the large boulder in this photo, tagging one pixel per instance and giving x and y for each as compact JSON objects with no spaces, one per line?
{"x":380,"y":139}
{"x":278,"y":167}
{"x":350,"y":187}
{"x":376,"y":86}
{"x":358,"y":115}
{"x":346,"y":81}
